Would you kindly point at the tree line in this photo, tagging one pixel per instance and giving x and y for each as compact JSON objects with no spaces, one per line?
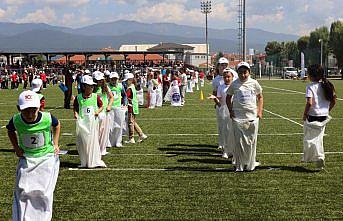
{"x":281,"y":52}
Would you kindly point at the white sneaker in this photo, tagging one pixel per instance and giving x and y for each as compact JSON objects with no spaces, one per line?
{"x":104,"y":153}
{"x":132,"y":140}
{"x":220,"y":147}
{"x":119,"y":145}
{"x":320,"y":164}
{"x":141,"y":138}
{"x":225,"y":156}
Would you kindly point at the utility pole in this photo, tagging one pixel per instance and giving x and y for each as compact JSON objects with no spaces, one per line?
{"x":206,"y":9}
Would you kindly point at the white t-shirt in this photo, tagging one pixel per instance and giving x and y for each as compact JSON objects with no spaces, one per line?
{"x":320,"y":105}
{"x":183,"y":79}
{"x":222,"y":92}
{"x":244,"y":101}
{"x":218,"y":80}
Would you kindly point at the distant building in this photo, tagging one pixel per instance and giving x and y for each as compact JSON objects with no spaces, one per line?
{"x":192,"y":54}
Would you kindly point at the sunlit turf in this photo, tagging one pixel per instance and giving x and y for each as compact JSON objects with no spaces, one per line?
{"x":177,"y":173}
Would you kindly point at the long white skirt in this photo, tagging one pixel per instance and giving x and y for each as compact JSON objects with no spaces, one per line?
{"x":245,"y":141}
{"x":117,"y":123}
{"x":313,"y":140}
{"x":104,"y":129}
{"x":87,"y":142}
{"x":36,"y":179}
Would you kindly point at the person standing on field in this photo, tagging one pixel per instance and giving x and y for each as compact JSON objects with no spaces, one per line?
{"x":245,"y":103}
{"x":133,"y":110}
{"x":320,"y":99}
{"x":223,"y":63}
{"x":34,"y":136}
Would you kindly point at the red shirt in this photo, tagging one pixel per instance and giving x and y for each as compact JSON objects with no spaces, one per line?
{"x":129,"y":95}
{"x":14,"y":77}
{"x":201,"y":75}
{"x":24,"y":76}
{"x":43,"y":77}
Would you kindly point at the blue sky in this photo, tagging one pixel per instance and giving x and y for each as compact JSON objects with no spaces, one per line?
{"x":284,"y":16}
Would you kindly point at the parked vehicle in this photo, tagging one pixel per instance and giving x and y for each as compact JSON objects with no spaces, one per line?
{"x":290,"y":72}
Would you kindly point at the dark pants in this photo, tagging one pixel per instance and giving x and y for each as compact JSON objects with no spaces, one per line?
{"x":67,"y":98}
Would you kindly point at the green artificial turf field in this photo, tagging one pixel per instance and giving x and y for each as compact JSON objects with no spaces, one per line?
{"x":178,"y":173}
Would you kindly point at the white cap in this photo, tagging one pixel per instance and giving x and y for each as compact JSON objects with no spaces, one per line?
{"x":107,"y":73}
{"x":114,"y":75}
{"x":223,"y":60}
{"x":86,"y":79}
{"x":36,"y":85}
{"x":128,"y":76}
{"x":243,"y":64}
{"x":233,"y":72}
{"x":97,"y":75}
{"x":87,"y":71}
{"x":28,"y":99}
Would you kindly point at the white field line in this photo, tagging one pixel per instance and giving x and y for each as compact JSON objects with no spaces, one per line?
{"x":186,"y":135}
{"x":278,"y":115}
{"x":175,"y":154}
{"x":297,"y":92}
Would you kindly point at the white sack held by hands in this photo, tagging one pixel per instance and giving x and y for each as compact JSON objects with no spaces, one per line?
{"x":116,"y":131}
{"x":87,"y":142}
{"x":175,"y":96}
{"x":140,"y":97}
{"x":225,"y":129}
{"x":104,"y":129}
{"x":313,"y":140}
{"x":245,"y":141}
{"x":35,"y":184}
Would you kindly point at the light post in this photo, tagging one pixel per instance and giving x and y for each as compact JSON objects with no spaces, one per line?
{"x":321,"y":52}
{"x":244,"y":32}
{"x":206,"y":9}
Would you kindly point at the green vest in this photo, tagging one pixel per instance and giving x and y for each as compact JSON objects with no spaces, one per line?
{"x":134,"y":99}
{"x":103,"y":97}
{"x":116,"y":91}
{"x":87,"y":106}
{"x":35,"y":139}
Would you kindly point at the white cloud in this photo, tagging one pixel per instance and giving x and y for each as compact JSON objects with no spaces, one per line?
{"x":276,"y":17}
{"x":45,"y":15}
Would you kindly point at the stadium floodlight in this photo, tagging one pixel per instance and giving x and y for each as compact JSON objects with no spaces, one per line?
{"x":321,"y":52}
{"x":206,"y":8}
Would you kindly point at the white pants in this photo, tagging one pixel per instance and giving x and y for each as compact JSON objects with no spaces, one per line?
{"x":245,"y":140}
{"x":313,"y":140}
{"x":36,"y":179}
{"x":87,"y":143}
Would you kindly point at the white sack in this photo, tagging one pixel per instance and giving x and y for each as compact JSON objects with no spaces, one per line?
{"x":175,"y":96}
{"x":140,"y":97}
{"x":245,"y":141}
{"x":116,"y":132}
{"x":104,"y":130}
{"x":36,"y":179}
{"x":225,"y":129}
{"x":87,"y":142}
{"x":189,"y":88}
{"x":313,"y":140}
{"x":159,"y":96}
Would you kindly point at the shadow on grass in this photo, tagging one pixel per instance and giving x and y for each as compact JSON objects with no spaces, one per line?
{"x":71,"y":145}
{"x":7,"y":150}
{"x":192,"y":145}
{"x":288,"y":168}
{"x":68,"y":165}
{"x":207,"y":161}
{"x":73,"y":152}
